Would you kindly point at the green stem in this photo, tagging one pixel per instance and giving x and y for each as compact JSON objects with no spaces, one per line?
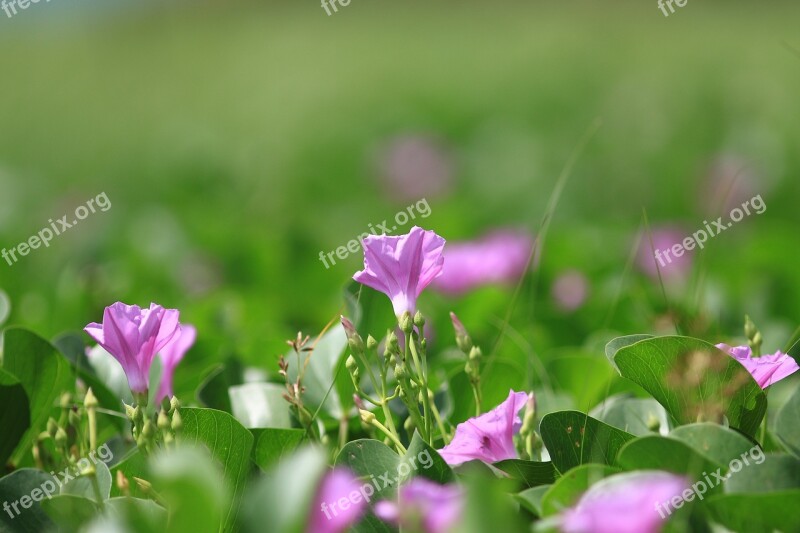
{"x":423,"y":375}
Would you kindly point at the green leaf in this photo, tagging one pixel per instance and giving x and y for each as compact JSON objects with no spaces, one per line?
{"x":15,"y":418}
{"x":621,"y":342}
{"x":378,"y":464}
{"x":531,"y":499}
{"x":532,"y":473}
{"x":271,"y":444}
{"x":134,"y":465}
{"x":281,"y":499}
{"x":144,"y":516}
{"x":693,"y":379}
{"x":43,"y":373}
{"x":426,"y":462}
{"x":191,"y":484}
{"x":573,"y":438}
{"x":320,"y":372}
{"x":787,"y":424}
{"x":756,"y":513}
{"x":70,"y":511}
{"x":229,"y":442}
{"x":633,"y":415}
{"x":716,"y":442}
{"x":568,"y":488}
{"x":260,"y":405}
{"x":5,"y":307}
{"x":17,"y":489}
{"x":654,"y":452}
{"x":776,"y":472}
{"x":587,"y":387}
{"x":82,"y":485}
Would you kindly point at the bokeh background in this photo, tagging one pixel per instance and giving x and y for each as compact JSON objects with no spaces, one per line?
{"x":237,"y":140}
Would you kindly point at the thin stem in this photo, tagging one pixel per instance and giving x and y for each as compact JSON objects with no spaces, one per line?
{"x":422,"y":373}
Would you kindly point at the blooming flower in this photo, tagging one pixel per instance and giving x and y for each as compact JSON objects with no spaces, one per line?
{"x":133,"y":336}
{"x":328,"y":515}
{"x":624,"y":503}
{"x":401,"y":267}
{"x":488,"y":437}
{"x":171,"y":355}
{"x":767,"y":369}
{"x":570,"y":290}
{"x":499,"y":257}
{"x":670,"y":266}
{"x":424,"y":506}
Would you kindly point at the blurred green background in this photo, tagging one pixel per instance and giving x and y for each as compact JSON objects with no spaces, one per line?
{"x":237,"y":141}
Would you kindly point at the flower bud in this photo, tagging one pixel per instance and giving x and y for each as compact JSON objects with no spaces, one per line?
{"x":163,"y":420}
{"x":52,"y":427}
{"x":406,"y":324}
{"x":351,"y":364}
{"x":177,"y":421}
{"x":399,"y":372}
{"x":353,"y":338}
{"x":66,"y":400}
{"x":475,"y":354}
{"x":391,"y":341}
{"x":463,"y":341}
{"x":148,"y":431}
{"x":371,"y":342}
{"x":74,"y":419}
{"x":419,"y":320}
{"x":90,"y":400}
{"x":61,"y":437}
{"x":366,"y":417}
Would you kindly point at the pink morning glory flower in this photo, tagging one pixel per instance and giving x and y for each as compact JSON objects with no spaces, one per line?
{"x":659,"y":256}
{"x":424,"y":506}
{"x":767,"y":369}
{"x":338,"y":503}
{"x":636,"y":502}
{"x":401,"y":267}
{"x":488,"y":437}
{"x":500,"y":257}
{"x":171,"y":355}
{"x":133,"y":336}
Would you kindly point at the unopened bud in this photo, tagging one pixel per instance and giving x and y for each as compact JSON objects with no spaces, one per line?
{"x":163,"y":420}
{"x":74,"y":419}
{"x":52,"y":427}
{"x":419,"y":320}
{"x":122,"y":483}
{"x":371,"y":342}
{"x":475,"y":354}
{"x":399,"y":372}
{"x":463,"y":341}
{"x":353,"y":338}
{"x":366,"y":416}
{"x":406,"y":323}
{"x":61,"y":436}
{"x":351,"y":364}
{"x":66,"y":400}
{"x":147,"y":430}
{"x":391,"y":342}
{"x":177,"y":421}
{"x":90,"y":400}
{"x":174,"y":403}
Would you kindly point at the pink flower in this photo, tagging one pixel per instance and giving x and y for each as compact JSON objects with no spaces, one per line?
{"x":334,"y":509}
{"x":133,"y":336}
{"x":671,"y":266}
{"x":488,"y":437}
{"x":171,"y":355}
{"x":424,"y":506}
{"x":401,"y":267}
{"x":570,"y":290}
{"x":636,"y":502}
{"x":499,"y":257}
{"x":767,"y":369}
